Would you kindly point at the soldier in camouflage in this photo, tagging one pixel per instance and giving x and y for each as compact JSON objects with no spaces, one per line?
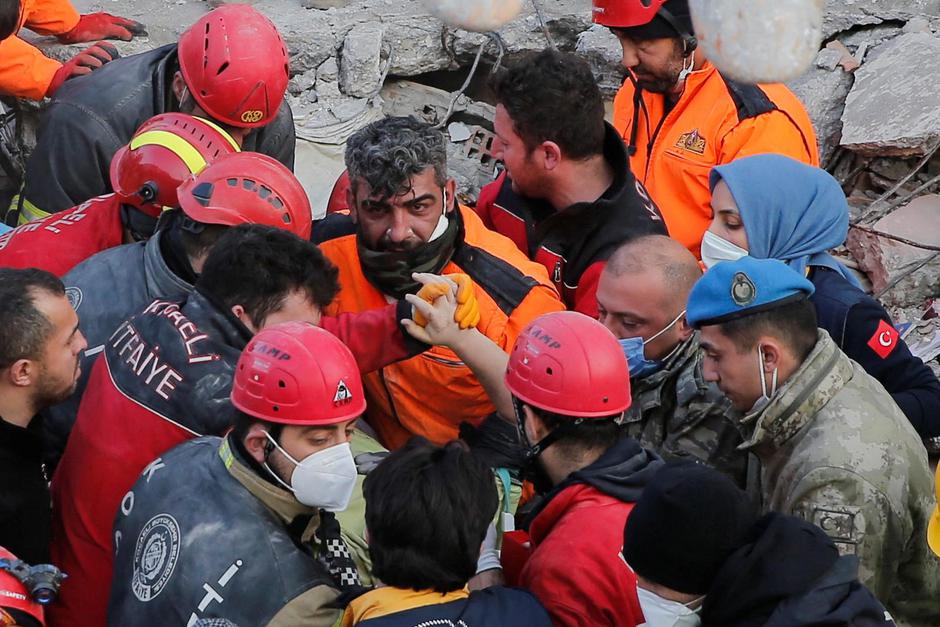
{"x":641,"y":298}
{"x":835,"y":448}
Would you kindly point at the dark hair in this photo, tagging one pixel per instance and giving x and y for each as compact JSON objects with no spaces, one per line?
{"x":9,"y":17}
{"x":258,"y":266}
{"x":591,"y":435}
{"x":793,"y":323}
{"x":552,"y":96}
{"x":427,"y":511}
{"x":199,"y":241}
{"x":389,"y":152}
{"x":23,"y":328}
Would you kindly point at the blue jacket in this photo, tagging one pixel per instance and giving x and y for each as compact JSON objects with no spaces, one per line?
{"x":864,"y":331}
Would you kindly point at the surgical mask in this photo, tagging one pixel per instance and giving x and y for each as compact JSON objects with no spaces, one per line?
{"x":660,"y":612}
{"x":442,"y":221}
{"x":634,"y":349}
{"x":716,"y":248}
{"x":324,"y":479}
{"x":765,"y":397}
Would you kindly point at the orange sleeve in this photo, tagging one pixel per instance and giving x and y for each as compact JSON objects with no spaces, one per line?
{"x":24,"y":71}
{"x":50,"y":17}
{"x":772,"y":132}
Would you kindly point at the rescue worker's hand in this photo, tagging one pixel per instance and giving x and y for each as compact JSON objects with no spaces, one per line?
{"x":440,"y":317}
{"x":467,"y":315}
{"x":92,"y":26}
{"x":83,"y":63}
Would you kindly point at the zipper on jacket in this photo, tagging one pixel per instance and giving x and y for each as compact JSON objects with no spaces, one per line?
{"x":556,"y":274}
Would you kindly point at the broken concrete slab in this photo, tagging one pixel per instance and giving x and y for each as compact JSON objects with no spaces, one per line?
{"x":360,"y":60}
{"x":603,"y":52}
{"x":902,"y":80}
{"x":846,"y":15}
{"x":823,"y":93}
{"x":888,"y":262}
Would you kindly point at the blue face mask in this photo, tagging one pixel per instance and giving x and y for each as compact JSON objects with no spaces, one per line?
{"x":634,"y":351}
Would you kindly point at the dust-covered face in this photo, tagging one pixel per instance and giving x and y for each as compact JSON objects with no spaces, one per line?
{"x":654,"y":63}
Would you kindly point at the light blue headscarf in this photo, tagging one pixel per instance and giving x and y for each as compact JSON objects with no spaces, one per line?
{"x":791,"y":211}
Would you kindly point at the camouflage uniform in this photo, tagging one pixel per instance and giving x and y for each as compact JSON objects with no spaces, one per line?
{"x":837,"y":451}
{"x":676,"y":413}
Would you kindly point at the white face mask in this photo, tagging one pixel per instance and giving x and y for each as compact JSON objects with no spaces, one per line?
{"x":442,"y":222}
{"x":765,"y":396}
{"x":324,"y":479}
{"x":716,"y":248}
{"x":660,"y":612}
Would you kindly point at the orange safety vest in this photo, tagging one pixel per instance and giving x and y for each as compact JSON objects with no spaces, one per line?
{"x":431,"y":394}
{"x":715,"y":121}
{"x":25,"y":72}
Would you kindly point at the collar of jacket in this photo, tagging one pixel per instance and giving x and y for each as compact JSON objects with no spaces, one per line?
{"x":278,"y":500}
{"x":161,"y":281}
{"x":208,"y":313}
{"x":822,"y":375}
{"x":164,"y":99}
{"x":389,"y":600}
{"x":673,"y":366}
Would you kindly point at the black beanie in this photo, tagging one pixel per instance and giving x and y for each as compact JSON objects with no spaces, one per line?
{"x":659,"y":27}
{"x":689,"y":519}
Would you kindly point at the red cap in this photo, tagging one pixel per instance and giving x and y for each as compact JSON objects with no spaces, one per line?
{"x":165,"y":151}
{"x":625,"y":13}
{"x":298,"y":374}
{"x":247,"y":188}
{"x":14,"y":595}
{"x":235,"y":65}
{"x":569,"y":364}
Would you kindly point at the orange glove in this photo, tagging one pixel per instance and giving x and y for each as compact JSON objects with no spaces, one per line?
{"x":467,"y":314}
{"x":92,"y":26}
{"x":83,"y":63}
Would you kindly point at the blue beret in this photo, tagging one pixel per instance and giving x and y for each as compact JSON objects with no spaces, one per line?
{"x":733,"y":289}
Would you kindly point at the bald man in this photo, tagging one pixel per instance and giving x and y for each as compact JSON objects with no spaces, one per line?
{"x":641,"y":298}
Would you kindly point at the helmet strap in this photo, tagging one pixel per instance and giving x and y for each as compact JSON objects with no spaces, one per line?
{"x":532,"y":451}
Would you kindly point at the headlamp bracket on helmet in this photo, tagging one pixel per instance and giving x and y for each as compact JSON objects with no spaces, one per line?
{"x":42,"y":581}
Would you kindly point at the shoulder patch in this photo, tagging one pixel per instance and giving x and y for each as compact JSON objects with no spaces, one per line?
{"x":75,"y":296}
{"x":839,"y":525}
{"x":502,"y":281}
{"x":750,"y":100}
{"x":884,"y":340}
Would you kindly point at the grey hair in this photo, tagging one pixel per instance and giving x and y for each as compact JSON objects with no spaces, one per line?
{"x":388,"y":152}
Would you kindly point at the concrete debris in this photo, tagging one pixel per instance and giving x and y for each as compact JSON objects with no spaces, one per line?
{"x":823,"y":92}
{"x":846,"y":15}
{"x":828,"y":58}
{"x":602,"y":50}
{"x":360,"y":61}
{"x":902,"y":81}
{"x":459,"y":132}
{"x":848,"y":62}
{"x":428,"y":103}
{"x":890,"y":263}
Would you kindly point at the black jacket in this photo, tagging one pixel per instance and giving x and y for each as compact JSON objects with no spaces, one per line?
{"x":790,"y":574}
{"x":24,"y":493}
{"x":92,"y":116}
{"x":856,"y":322}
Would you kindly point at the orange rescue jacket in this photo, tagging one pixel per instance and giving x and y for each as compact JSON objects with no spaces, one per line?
{"x":25,"y":72}
{"x":431,"y":394}
{"x":715,"y":121}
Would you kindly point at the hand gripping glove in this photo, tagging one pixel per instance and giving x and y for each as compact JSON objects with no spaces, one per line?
{"x":83,"y":63}
{"x":467,"y":315}
{"x":92,"y":26}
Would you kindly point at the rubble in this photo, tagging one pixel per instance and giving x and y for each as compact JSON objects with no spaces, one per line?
{"x":901,"y":80}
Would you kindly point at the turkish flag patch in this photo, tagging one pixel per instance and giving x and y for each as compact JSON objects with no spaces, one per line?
{"x":885,"y":339}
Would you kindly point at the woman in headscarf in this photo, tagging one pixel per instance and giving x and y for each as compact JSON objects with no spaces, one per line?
{"x":773,"y":207}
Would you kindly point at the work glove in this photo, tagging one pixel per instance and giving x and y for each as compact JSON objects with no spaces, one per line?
{"x":467,"y":315}
{"x":92,"y":26}
{"x":82,"y":63}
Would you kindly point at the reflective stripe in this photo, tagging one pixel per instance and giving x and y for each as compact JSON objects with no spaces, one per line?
{"x":30,"y":212}
{"x":221,"y":131}
{"x":179,"y":146}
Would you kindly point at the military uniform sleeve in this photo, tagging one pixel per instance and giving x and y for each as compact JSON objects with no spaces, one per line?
{"x":50,"y":17}
{"x":70,"y":164}
{"x":310,"y":609}
{"x":860,"y":520}
{"x":869,"y":338}
{"x":769,"y":132}
{"x":277,"y":139}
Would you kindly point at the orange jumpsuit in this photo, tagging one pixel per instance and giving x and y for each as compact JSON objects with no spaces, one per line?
{"x":715,"y":121}
{"x":24,"y":71}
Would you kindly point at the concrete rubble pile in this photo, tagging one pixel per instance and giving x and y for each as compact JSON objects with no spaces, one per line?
{"x":872,"y":93}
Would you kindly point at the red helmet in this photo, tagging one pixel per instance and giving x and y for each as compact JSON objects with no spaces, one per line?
{"x":569,"y":364}
{"x":298,"y":374}
{"x":337,"y":202}
{"x":235,"y":65}
{"x":15,"y":596}
{"x":625,"y":13}
{"x":247,"y":187}
{"x":165,"y":151}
